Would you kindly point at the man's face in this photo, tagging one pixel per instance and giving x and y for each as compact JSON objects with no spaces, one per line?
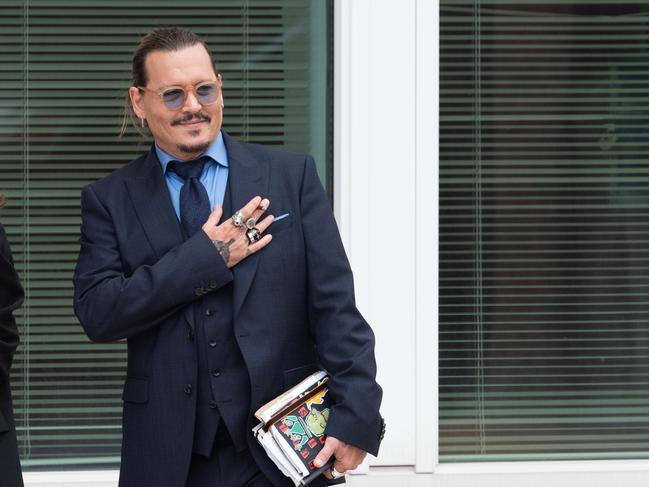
{"x":187,"y":131}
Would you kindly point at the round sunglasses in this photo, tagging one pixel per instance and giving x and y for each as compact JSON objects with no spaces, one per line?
{"x":174,"y":97}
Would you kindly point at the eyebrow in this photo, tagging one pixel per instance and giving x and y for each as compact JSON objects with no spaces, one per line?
{"x":165,"y":87}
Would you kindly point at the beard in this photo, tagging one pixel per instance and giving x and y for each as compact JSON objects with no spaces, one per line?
{"x":198,"y":147}
{"x":194,"y":148}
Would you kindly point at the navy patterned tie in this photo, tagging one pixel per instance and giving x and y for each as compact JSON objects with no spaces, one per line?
{"x":194,"y":202}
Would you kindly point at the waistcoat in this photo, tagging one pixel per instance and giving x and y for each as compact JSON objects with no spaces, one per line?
{"x":223,"y":383}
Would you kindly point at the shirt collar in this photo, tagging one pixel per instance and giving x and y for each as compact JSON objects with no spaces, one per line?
{"x":216,"y":151}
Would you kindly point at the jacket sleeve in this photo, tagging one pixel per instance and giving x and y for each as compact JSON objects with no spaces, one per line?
{"x":112,"y":305}
{"x":344,"y":340}
{"x":11,"y":297}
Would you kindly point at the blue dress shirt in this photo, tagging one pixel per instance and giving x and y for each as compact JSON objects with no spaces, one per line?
{"x":214,"y":176}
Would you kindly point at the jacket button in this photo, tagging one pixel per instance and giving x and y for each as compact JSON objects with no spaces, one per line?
{"x":212,"y":343}
{"x":209,"y":312}
{"x":213,"y":404}
{"x":188,"y":389}
{"x":198,"y":291}
{"x":216,"y":372}
{"x":213,"y":284}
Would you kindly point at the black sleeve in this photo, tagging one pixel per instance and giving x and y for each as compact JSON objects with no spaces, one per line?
{"x":345,"y":341}
{"x":11,"y":297}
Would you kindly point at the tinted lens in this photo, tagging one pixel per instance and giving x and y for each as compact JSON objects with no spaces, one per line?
{"x":207,"y":93}
{"x":173,"y":98}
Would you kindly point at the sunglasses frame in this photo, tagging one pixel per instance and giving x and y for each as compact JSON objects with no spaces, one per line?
{"x":193,"y":89}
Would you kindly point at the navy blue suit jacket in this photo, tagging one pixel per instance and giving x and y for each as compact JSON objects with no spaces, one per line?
{"x":11,"y":297}
{"x":293,"y":305}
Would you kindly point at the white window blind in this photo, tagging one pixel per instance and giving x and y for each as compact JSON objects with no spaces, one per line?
{"x":544,"y":230}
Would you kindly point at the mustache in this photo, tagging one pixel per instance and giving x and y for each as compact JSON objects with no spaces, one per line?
{"x":192,"y":116}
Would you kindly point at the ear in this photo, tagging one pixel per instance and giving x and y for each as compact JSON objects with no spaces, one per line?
{"x":219,"y":80}
{"x":136,"y":102}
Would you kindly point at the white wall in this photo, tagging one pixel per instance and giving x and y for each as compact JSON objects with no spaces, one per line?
{"x":374,"y":173}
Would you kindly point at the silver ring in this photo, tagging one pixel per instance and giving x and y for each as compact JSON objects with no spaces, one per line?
{"x":250,"y":223}
{"x":254,"y":235}
{"x":336,"y":474}
{"x":237,"y":219}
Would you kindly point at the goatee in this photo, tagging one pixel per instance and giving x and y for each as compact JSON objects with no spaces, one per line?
{"x":193,"y":149}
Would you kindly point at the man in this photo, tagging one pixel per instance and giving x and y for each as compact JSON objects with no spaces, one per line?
{"x":222,"y":309}
{"x":11,"y":297}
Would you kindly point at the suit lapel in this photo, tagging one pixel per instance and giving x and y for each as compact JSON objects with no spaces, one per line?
{"x":248,"y":178}
{"x":150,"y":196}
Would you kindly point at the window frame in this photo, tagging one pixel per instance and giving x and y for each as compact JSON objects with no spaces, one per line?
{"x":560,"y":473}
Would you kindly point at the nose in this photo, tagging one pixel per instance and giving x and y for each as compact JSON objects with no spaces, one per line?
{"x":191,"y":102}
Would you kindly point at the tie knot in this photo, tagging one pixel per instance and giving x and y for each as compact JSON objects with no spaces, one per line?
{"x":189,"y":169}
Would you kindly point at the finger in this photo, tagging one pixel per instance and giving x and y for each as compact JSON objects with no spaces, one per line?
{"x":341,"y":467}
{"x":257,"y":246}
{"x":326,"y":452}
{"x":263,"y":206}
{"x":257,"y":212}
{"x":251,"y":206}
{"x":265,"y":223}
{"x":215,"y":216}
{"x":349,"y":458}
{"x":345,"y":463}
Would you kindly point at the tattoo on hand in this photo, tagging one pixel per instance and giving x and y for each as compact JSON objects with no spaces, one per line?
{"x":223,"y":248}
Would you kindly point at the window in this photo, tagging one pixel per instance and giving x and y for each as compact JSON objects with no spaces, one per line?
{"x":544,"y":230}
{"x":65,"y":66}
